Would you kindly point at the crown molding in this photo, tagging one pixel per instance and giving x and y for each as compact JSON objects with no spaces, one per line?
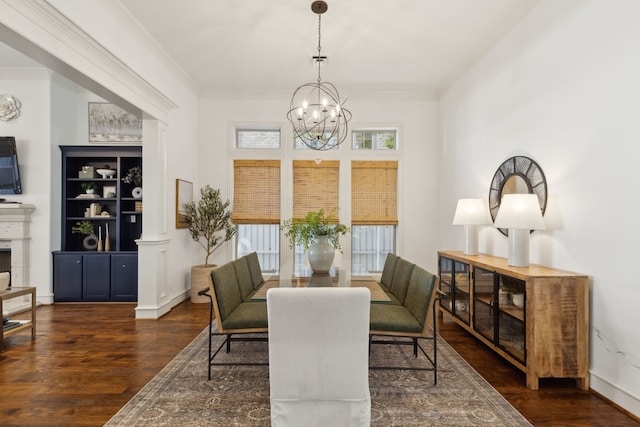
{"x":352,"y":94}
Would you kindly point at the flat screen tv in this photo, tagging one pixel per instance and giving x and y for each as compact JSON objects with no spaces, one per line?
{"x":9,"y":171}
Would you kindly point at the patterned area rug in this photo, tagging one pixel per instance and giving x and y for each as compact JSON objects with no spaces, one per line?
{"x":239,"y":396}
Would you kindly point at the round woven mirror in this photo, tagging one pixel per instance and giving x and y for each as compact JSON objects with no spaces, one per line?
{"x":521,"y":175}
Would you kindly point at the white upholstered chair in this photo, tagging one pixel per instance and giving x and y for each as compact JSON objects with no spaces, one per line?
{"x":318,"y":356}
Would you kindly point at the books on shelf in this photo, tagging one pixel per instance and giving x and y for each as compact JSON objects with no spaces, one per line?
{"x":87,"y":196}
{"x":10,"y":325}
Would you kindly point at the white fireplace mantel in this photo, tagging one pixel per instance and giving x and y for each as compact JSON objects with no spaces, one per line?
{"x":14,"y":234}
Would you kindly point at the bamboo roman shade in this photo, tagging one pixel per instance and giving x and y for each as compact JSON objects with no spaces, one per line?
{"x":315,"y":187}
{"x":374,"y":187}
{"x":256,"y":192}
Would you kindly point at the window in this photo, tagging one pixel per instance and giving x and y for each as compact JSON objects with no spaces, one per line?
{"x":374,"y":214}
{"x":256,"y":210}
{"x":370,"y":245}
{"x":374,"y":139}
{"x":264,"y":239}
{"x":258,"y":138}
{"x":315,"y":187}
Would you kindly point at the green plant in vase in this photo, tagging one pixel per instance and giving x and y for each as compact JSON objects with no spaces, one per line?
{"x":209,"y":224}
{"x":305,"y":232}
{"x":319,"y":234}
{"x":209,"y":221}
{"x":88,"y":187}
{"x":82,"y":227}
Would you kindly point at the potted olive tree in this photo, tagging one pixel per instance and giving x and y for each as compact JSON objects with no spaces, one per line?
{"x":319,"y":235}
{"x":209,"y":223}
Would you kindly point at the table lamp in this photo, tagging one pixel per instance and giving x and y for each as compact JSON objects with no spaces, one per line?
{"x":520,"y":213}
{"x":471,"y":213}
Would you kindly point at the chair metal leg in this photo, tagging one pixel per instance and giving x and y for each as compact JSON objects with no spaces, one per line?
{"x":414,"y":341}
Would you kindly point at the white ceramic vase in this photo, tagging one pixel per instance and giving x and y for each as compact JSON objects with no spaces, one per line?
{"x":137,"y":192}
{"x":518,"y":300}
{"x":321,"y":254}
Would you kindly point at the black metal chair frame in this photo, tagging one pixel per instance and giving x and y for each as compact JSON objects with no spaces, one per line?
{"x":414,"y":341}
{"x":227,"y":341}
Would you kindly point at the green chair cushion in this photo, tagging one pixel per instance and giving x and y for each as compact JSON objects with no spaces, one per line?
{"x":419,"y":293}
{"x":247,"y":315}
{"x":392,"y":318}
{"x":227,"y":290}
{"x":401,"y":278}
{"x":255,"y":270}
{"x":388,"y":270}
{"x":243,"y":276}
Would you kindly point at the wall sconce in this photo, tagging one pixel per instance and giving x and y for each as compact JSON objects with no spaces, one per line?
{"x":520,"y":213}
{"x":471,"y":213}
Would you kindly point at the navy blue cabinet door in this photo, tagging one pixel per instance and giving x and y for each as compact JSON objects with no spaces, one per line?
{"x":124,"y":277}
{"x":95,"y":277}
{"x":67,"y":277}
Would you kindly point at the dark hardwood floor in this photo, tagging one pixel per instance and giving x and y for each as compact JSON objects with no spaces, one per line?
{"x":88,"y":360}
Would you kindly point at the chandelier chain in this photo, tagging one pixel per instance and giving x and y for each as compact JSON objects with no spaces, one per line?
{"x":319,"y":45}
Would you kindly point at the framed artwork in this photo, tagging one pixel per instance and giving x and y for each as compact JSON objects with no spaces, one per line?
{"x":184,"y":194}
{"x":110,"y":123}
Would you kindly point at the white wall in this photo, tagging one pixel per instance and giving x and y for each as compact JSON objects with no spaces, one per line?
{"x":562,"y":87}
{"x":417,"y":156}
{"x":32,"y":87}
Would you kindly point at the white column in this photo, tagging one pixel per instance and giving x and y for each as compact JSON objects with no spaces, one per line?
{"x":154,"y":296}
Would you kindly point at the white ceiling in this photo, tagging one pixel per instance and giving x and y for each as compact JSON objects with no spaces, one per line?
{"x":259,"y":45}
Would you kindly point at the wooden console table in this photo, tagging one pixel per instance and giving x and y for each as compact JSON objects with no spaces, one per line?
{"x":544,"y":331}
{"x":15,"y":292}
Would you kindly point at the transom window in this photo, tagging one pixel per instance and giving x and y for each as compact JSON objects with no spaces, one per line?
{"x":258,"y":138}
{"x":385,"y":139}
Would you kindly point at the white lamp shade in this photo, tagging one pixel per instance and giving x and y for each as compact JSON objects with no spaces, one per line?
{"x":471,"y":212}
{"x":520,"y":212}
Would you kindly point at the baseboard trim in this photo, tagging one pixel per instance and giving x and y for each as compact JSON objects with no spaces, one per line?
{"x":156,"y":312}
{"x":623,"y":400}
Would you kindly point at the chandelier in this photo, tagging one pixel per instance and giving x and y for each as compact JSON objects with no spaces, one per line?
{"x":316,"y":112}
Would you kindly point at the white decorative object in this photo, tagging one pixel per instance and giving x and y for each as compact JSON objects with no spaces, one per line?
{"x":471,"y":213}
{"x":520,"y":213}
{"x":9,"y":107}
{"x":321,"y":254}
{"x":136,"y":192}
{"x":106,"y":173}
{"x":518,"y":300}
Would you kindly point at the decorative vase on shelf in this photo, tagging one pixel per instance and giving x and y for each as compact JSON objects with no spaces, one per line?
{"x":137,"y":192}
{"x":90,"y":242}
{"x":321,"y":254}
{"x":107,"y":242}
{"x":518,"y":300}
